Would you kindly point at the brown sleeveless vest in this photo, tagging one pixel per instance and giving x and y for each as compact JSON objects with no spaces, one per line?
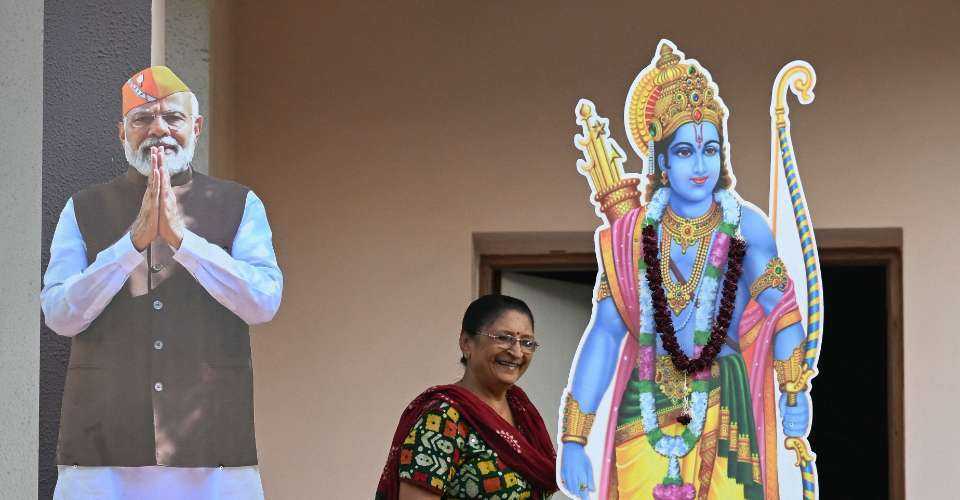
{"x":163,"y":376}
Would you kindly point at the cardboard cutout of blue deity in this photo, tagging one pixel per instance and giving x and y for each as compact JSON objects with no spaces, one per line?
{"x":691,"y":379}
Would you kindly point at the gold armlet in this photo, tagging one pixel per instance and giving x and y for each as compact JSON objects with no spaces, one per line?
{"x":793,"y":375}
{"x":775,"y":276}
{"x":576,"y":424}
{"x":603,"y":291}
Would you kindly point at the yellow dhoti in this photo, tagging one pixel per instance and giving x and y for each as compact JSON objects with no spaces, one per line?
{"x":727,"y":436}
{"x":640,"y":467}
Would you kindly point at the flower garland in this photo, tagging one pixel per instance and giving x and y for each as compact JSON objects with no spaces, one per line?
{"x":709,"y":340}
{"x":725,"y":247}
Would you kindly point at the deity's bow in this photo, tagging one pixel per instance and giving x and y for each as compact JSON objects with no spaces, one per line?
{"x":793,"y":230}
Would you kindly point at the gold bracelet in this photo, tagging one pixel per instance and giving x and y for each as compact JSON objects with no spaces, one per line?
{"x":792,"y":375}
{"x":603,"y":291}
{"x":576,"y":424}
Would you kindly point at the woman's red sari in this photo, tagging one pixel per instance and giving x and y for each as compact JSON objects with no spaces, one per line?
{"x":525,"y":448}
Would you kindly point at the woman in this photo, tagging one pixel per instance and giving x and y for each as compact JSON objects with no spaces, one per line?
{"x":480,"y":437}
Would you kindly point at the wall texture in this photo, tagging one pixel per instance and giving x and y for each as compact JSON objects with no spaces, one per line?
{"x":90,"y":48}
{"x":382,"y":136}
{"x":21,"y":122}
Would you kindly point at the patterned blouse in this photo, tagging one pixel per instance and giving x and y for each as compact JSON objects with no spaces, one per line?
{"x":444,"y":455}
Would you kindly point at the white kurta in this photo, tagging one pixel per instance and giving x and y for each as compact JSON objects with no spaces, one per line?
{"x":247,"y":281}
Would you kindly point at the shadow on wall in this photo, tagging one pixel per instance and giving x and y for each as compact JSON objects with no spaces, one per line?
{"x":86,"y":59}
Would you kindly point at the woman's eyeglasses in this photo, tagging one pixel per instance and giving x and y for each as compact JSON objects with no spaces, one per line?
{"x":506,"y":340}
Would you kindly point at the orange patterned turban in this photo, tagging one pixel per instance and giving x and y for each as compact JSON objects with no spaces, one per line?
{"x":151,"y":84}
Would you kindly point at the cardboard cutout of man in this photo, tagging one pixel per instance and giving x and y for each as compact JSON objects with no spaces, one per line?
{"x":697,"y":357}
{"x":156,"y":277}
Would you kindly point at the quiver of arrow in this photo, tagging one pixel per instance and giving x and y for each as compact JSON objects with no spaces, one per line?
{"x":615,"y":192}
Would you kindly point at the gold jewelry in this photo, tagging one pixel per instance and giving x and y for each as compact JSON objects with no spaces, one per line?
{"x":680,"y":294}
{"x":775,"y":276}
{"x":687,"y":231}
{"x":793,"y":375}
{"x":673,"y":383}
{"x":668,"y":94}
{"x":603,"y":290}
{"x":664,"y":179}
{"x":576,"y":424}
{"x":789,"y":369}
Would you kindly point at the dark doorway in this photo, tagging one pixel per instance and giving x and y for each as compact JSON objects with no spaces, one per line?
{"x":850,"y":393}
{"x":858,"y":394}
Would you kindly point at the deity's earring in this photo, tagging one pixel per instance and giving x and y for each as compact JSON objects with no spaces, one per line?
{"x":664,"y":179}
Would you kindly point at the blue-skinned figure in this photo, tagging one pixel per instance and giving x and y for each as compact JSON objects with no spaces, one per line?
{"x":673,"y":432}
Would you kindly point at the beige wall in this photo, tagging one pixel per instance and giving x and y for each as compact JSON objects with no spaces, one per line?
{"x":383,"y":135}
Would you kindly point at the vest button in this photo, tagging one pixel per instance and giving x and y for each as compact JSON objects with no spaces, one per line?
{"x":158,"y":345}
{"x":157,"y":305}
{"x":158,"y":387}
{"x":156,"y":268}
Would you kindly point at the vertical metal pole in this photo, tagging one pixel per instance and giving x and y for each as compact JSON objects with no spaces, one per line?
{"x":158,"y":41}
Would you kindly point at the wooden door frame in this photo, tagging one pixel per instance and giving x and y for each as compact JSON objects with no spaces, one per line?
{"x":493,"y":266}
{"x":851,"y":247}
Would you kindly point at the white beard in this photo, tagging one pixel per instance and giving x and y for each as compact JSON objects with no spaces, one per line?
{"x":173,"y":163}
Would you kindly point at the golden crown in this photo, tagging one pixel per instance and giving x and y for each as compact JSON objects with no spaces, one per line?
{"x":667,"y":94}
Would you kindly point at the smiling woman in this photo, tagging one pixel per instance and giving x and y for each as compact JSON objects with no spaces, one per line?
{"x":480,"y":437}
